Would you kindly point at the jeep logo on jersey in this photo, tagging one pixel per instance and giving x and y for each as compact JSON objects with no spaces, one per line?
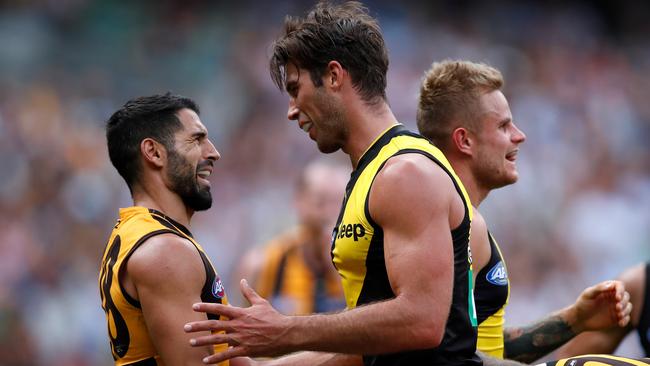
{"x":355,"y":231}
{"x":217,"y":288}
{"x":498,"y":275}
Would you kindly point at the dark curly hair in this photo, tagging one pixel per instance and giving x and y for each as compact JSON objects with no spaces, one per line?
{"x":140,"y":118}
{"x":345,"y":33}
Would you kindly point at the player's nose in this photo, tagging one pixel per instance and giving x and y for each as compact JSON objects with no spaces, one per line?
{"x":293,"y":111}
{"x":212,"y":153}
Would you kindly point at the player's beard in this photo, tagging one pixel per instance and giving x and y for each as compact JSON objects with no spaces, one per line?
{"x":185,"y":184}
{"x":331,"y":128}
{"x":492,"y":172}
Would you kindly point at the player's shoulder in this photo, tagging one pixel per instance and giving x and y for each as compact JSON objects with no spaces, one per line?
{"x":413,"y":170}
{"x":634,"y":278}
{"x":168,"y":255}
{"x":409,"y":184}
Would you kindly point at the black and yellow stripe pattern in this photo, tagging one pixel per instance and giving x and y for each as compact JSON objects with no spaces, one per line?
{"x":358,"y":253}
{"x":491,"y":293}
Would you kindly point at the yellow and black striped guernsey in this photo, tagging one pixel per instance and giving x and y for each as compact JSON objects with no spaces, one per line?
{"x":491,"y":293}
{"x":358,"y":254}
{"x":127,"y":331}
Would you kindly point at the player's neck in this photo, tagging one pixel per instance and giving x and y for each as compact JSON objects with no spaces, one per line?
{"x":164,"y":201}
{"x":366,"y":124}
{"x":476,"y":192}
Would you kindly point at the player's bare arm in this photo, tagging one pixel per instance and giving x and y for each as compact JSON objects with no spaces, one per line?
{"x":166,"y":274}
{"x":493,"y":361}
{"x":607,"y":340}
{"x":601,"y":306}
{"x":411,"y":200}
{"x":315,"y":359}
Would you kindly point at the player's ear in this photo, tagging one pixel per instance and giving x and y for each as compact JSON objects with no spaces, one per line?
{"x":153,"y":152}
{"x":463,"y":140}
{"x":333,"y":77}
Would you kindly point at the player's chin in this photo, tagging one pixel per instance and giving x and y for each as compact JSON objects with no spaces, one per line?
{"x":512,"y":175}
{"x":202,"y":186}
{"x":507,"y":180}
{"x":202,"y":201}
{"x":327,"y":148}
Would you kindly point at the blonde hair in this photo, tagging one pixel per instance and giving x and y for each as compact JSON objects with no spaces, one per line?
{"x":449,"y":97}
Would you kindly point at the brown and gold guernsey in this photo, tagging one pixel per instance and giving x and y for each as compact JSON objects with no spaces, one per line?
{"x":491,"y":293}
{"x":289,"y":283}
{"x":358,"y":254}
{"x":599,"y":360}
{"x":129,"y":340}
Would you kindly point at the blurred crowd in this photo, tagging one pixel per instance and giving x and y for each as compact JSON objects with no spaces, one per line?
{"x":577,"y":77}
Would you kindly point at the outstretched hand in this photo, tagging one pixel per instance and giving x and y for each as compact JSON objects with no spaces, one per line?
{"x":602,"y":306}
{"x":258,"y":330}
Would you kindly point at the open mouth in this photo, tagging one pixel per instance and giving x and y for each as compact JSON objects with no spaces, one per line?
{"x":512,"y":156}
{"x":203,"y":173}
{"x":306,"y":126}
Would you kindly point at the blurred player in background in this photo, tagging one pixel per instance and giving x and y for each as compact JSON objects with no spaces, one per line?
{"x":153,"y":270}
{"x":294,"y":270}
{"x":463,"y":111}
{"x":607,"y":340}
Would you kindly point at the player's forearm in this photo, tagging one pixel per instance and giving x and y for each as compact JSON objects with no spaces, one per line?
{"x":491,"y":361}
{"x":527,"y":344}
{"x":315,"y":359}
{"x":384,"y":327}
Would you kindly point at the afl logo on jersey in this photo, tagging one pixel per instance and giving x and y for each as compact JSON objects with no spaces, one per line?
{"x":217,"y":288}
{"x":498,"y":275}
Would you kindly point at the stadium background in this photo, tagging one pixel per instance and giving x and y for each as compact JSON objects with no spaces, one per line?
{"x":577,"y":76}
